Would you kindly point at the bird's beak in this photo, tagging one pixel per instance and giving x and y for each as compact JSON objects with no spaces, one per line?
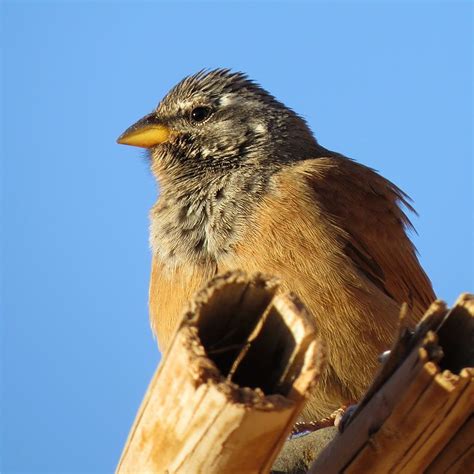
{"x":147,"y":132}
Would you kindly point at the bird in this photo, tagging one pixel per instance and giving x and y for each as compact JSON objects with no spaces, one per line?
{"x":244,"y":184}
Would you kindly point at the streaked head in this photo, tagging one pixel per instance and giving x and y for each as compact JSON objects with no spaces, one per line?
{"x":219,"y":121}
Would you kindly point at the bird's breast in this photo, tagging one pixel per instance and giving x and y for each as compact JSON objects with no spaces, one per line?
{"x":171,"y":289}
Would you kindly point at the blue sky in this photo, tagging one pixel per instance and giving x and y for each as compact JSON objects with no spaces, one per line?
{"x":389,"y":84}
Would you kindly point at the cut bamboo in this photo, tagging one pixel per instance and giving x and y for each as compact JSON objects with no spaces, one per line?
{"x":456,"y":401}
{"x":405,"y":441}
{"x":416,"y":404}
{"x":458,"y":455}
{"x":231,"y":385}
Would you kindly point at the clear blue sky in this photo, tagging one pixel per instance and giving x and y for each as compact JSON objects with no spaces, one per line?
{"x":389,"y":84}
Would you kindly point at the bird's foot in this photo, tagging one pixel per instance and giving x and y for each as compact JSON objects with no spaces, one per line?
{"x":302,"y":428}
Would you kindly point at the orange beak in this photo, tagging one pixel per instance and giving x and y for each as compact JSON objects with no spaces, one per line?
{"x":147,"y":132}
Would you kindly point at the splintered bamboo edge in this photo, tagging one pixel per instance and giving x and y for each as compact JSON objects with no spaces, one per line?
{"x":231,"y":385}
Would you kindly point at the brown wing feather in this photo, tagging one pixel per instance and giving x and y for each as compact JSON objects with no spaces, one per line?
{"x":366,"y":207}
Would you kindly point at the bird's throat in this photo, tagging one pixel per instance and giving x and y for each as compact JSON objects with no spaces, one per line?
{"x":201,"y":221}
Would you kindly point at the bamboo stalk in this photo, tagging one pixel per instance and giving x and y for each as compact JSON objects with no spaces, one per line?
{"x":458,"y":455}
{"x":394,"y":448}
{"x":416,"y":404}
{"x":230,"y":387}
{"x":456,"y":402}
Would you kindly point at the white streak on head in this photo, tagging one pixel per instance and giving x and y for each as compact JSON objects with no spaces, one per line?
{"x":259,"y":127}
{"x":227,"y":99}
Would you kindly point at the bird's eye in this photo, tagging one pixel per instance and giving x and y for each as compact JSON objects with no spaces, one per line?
{"x":201,"y":113}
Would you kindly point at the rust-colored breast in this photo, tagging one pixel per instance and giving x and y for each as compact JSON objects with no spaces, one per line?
{"x":169,"y":293}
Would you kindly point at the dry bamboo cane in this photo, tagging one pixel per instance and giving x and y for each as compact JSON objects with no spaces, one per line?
{"x":231,"y":385}
{"x":415,"y":408}
{"x":458,"y":455}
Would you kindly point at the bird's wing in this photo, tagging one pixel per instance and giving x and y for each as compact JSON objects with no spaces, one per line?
{"x":366,"y":208}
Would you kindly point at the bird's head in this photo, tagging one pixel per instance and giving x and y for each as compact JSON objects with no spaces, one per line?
{"x":216,"y":122}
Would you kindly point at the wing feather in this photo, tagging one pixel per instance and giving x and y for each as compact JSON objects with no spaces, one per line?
{"x":367,"y":208}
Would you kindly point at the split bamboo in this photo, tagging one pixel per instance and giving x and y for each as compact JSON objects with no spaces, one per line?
{"x":415,"y":416}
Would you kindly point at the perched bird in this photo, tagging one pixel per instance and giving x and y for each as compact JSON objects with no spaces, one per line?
{"x":244,"y":184}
